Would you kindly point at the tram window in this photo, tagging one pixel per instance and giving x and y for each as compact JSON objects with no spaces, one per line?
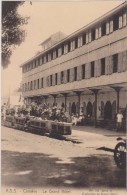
{"x":103,"y":66}
{"x":75,"y":73}
{"x":83,"y":71}
{"x":115,"y":63}
{"x":92,"y":69}
{"x":68,"y":75}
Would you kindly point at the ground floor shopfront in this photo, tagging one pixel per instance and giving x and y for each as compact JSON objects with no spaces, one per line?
{"x":99,"y":105}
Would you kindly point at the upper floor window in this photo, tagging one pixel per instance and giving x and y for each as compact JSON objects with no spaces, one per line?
{"x":42,"y":83}
{"x":56,"y":79}
{"x":76,"y":43}
{"x":92,"y":69}
{"x":38,"y":83}
{"x":115,"y":63}
{"x":50,"y":80}
{"x":84,"y":38}
{"x":75,"y":73}
{"x":103,"y":66}
{"x":68,"y":75}
{"x":80,"y":41}
{"x":103,"y":29}
{"x":72,"y":46}
{"x":83,"y":71}
{"x":115,"y":22}
{"x":92,"y":34}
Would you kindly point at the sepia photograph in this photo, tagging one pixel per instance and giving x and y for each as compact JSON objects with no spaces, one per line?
{"x":63,"y":97}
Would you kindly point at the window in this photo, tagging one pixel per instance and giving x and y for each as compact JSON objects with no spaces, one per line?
{"x":92,"y":69}
{"x":83,"y":71}
{"x":42,"y":58}
{"x":41,"y":82}
{"x":62,"y":77}
{"x":80,"y":41}
{"x":115,"y":63}
{"x":56,"y":79}
{"x":115,"y":22}
{"x":92,"y":34}
{"x":50,"y":80}
{"x":37,"y":83}
{"x":75,"y":73}
{"x":49,"y":57}
{"x":34,"y":84}
{"x":103,"y":66}
{"x":103,"y":29}
{"x":76,"y":42}
{"x":84,"y":39}
{"x":38,"y":61}
{"x":68,"y":75}
{"x":31,"y":85}
{"x":65,"y":48}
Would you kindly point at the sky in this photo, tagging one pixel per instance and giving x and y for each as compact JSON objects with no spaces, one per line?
{"x":47,"y":18}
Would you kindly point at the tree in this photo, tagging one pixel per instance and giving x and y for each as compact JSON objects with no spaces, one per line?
{"x":12,"y":33}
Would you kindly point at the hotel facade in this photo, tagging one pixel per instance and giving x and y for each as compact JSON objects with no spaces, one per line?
{"x":83,"y":72}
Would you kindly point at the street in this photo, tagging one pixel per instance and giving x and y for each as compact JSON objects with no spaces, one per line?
{"x":33,"y":161}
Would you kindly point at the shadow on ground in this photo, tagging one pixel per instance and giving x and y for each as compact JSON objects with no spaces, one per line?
{"x":40,"y":170}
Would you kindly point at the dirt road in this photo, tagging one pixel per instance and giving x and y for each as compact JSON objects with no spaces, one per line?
{"x":40,"y":162}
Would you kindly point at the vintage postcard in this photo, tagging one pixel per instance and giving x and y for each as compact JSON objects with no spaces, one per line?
{"x":64,"y":97}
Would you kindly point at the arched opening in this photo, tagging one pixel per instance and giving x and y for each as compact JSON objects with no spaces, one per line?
{"x":73,"y":108}
{"x":62,"y":105}
{"x":89,"y":109}
{"x":108,"y":110}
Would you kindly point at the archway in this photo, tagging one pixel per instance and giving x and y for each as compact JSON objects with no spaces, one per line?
{"x":89,"y":109}
{"x":108,"y":110}
{"x":73,"y":108}
{"x":62,"y":105}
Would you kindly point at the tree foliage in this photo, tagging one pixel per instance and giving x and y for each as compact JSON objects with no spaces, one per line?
{"x":12,"y":33}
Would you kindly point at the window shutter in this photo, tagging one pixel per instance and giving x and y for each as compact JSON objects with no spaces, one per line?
{"x":120,"y":22}
{"x":120,"y":62}
{"x":124,"y":61}
{"x":87,"y":38}
{"x":44,"y":82}
{"x":107,"y":28}
{"x":71,"y":74}
{"x":107,"y":65}
{"x":88,"y":70}
{"x":65,"y":77}
{"x":96,"y":33}
{"x":59,"y":78}
{"x":47,"y":81}
{"x":97,"y":68}
{"x":124,"y":19}
{"x":111,"y":26}
{"x":73,"y":45}
{"x":45,"y":59}
{"x":79,"y":73}
{"x":110,"y":64}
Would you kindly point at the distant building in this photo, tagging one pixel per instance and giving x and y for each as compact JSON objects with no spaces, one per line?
{"x":85,"y":71}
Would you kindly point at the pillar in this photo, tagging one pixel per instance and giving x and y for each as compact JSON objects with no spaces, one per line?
{"x":117,"y":89}
{"x":95,"y":91}
{"x":79,"y":99}
{"x":65,"y":95}
{"x":54,"y":96}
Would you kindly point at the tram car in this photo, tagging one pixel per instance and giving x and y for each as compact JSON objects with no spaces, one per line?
{"x":61,"y":128}
{"x":38,"y":126}
{"x":9,"y":121}
{"x":20,"y":123}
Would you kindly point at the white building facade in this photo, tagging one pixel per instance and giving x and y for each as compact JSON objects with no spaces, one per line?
{"x":85,"y":71}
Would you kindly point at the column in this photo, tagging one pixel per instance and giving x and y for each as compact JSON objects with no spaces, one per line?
{"x":79,"y":99}
{"x":117,"y":89}
{"x":95,"y":91}
{"x":54,"y":96}
{"x":65,"y":95}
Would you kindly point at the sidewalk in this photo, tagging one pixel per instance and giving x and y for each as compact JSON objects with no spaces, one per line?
{"x":101,"y":131}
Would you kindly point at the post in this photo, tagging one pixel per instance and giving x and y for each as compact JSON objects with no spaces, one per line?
{"x":79,"y":99}
{"x":95,"y":91}
{"x":65,"y":95}
{"x":117,"y":89}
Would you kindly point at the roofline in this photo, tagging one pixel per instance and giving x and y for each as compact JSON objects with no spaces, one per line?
{"x":72,"y":35}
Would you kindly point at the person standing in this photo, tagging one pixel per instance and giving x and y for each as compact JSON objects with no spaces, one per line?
{"x":119,"y":118}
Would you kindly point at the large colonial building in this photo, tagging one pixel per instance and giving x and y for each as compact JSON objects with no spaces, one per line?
{"x":85,"y":71}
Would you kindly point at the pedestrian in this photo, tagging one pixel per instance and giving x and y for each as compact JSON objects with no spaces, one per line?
{"x":119,"y":119}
